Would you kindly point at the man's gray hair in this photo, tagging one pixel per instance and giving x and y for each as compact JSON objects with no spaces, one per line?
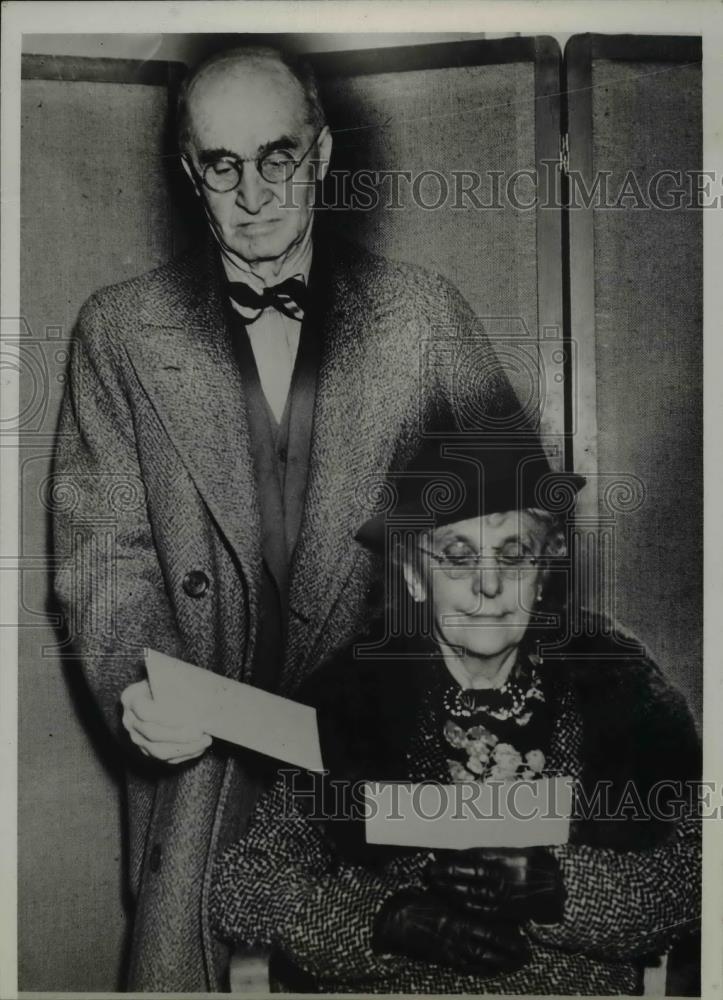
{"x":298,"y":67}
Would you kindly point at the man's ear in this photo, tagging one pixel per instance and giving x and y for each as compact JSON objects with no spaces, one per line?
{"x":190,"y":173}
{"x":414,"y":583}
{"x":324,"y":146}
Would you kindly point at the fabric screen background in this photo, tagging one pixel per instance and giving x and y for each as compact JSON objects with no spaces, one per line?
{"x":448,"y":122}
{"x":95,"y":210}
{"x":646,"y":117}
{"x":433,"y":120}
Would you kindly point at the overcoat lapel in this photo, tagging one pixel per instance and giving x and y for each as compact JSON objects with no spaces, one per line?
{"x":302,"y":399}
{"x":186,"y":365}
{"x":344,"y":453}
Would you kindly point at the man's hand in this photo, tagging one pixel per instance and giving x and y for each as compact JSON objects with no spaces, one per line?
{"x":521,"y":885}
{"x":419,"y":925}
{"x":155,"y":733}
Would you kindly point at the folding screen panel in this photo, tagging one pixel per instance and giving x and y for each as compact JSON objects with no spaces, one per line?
{"x":453,"y":138}
{"x":95,"y":210}
{"x":635,"y":130}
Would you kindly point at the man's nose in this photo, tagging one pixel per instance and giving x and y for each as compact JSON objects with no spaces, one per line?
{"x":487,"y":580}
{"x":252,"y":192}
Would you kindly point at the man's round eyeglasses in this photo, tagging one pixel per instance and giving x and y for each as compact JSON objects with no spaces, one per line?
{"x":508,"y":560}
{"x":275,"y":167}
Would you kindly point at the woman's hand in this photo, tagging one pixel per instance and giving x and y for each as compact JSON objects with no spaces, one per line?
{"x":419,"y":925}
{"x":520,"y":884}
{"x":155,"y":733}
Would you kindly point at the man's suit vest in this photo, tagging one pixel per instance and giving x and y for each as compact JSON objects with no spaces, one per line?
{"x":281,"y":458}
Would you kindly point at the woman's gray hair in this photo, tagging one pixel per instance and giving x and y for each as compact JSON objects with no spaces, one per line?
{"x":297,"y":66}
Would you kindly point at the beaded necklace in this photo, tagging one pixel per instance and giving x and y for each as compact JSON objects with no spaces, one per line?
{"x":514,"y":700}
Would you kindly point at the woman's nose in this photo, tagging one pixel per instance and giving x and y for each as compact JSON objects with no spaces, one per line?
{"x":487,"y":580}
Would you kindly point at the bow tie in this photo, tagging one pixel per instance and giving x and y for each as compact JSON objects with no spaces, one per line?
{"x":289,"y":297}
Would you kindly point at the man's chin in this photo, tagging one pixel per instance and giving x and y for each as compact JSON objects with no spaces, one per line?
{"x":255,"y":251}
{"x":266,"y":244}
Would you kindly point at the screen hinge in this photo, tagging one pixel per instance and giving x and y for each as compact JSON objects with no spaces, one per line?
{"x":565,"y":153}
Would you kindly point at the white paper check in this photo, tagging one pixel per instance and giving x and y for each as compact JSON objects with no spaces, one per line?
{"x":469,"y":814}
{"x":240,"y":713}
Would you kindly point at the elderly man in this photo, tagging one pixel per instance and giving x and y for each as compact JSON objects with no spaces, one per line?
{"x":223,"y":418}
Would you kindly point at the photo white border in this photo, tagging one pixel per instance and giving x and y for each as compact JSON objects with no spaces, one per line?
{"x":556,"y":17}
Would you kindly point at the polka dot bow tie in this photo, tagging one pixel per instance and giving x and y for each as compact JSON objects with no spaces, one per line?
{"x":289,"y":297}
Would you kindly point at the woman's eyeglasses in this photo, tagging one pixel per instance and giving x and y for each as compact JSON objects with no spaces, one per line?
{"x":457,"y":561}
{"x":275,"y":167}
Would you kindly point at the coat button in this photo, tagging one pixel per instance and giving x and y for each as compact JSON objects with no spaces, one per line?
{"x":154,"y":862}
{"x":196,"y":583}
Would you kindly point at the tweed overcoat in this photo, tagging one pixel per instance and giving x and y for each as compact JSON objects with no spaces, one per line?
{"x":154,"y":480}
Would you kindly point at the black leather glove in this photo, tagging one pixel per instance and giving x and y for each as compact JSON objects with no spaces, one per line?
{"x":419,"y":925}
{"x":518,"y":884}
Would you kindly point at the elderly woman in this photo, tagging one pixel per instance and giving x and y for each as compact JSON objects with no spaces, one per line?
{"x":477,"y":676}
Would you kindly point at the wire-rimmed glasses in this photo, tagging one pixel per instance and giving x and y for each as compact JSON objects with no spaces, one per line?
{"x":275,"y":167}
{"x":509,"y":560}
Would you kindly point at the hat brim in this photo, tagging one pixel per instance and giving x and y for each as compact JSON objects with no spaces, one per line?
{"x":560,"y":492}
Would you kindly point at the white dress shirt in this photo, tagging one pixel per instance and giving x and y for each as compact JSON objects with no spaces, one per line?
{"x":274,"y":336}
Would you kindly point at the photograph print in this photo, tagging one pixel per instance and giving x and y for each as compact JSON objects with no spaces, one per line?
{"x":361,"y":513}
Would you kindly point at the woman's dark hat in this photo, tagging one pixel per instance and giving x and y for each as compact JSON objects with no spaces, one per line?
{"x":452,"y":480}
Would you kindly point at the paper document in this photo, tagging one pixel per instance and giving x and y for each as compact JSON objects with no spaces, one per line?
{"x":240,"y":713}
{"x":469,"y":814}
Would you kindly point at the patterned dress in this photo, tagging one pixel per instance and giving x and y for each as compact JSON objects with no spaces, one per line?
{"x":309,"y":889}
